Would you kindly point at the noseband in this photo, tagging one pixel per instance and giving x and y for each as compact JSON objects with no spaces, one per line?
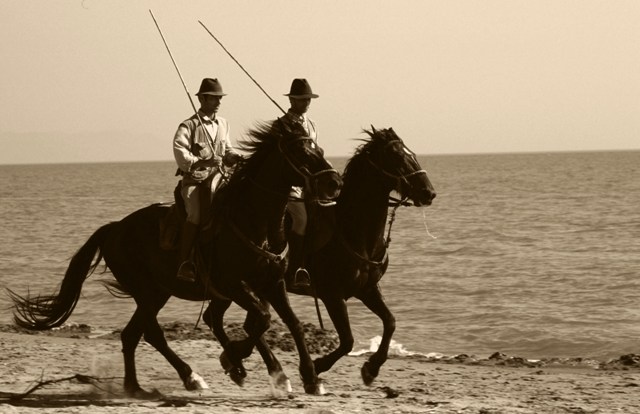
{"x":309,"y":178}
{"x":399,"y":178}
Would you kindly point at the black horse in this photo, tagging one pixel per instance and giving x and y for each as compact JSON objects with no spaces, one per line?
{"x":355,"y":258}
{"x":243,"y":257}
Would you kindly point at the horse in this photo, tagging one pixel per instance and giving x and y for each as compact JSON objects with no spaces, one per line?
{"x":352,"y":263}
{"x":244,"y":256}
{"x":354,"y":259}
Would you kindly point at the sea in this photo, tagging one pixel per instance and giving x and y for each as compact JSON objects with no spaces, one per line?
{"x":534,"y":255}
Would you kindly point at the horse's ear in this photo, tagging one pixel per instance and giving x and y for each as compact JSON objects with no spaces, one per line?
{"x":373,"y":129}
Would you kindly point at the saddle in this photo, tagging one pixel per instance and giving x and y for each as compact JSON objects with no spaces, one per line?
{"x":171,"y":224}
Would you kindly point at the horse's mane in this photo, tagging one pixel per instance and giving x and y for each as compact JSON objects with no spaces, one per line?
{"x":358,"y":164}
{"x":258,"y":143}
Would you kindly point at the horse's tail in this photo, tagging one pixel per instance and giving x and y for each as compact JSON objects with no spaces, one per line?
{"x":46,"y":312}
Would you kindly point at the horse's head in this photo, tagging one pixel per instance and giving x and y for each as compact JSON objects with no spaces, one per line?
{"x":398,"y":164}
{"x":299,"y":161}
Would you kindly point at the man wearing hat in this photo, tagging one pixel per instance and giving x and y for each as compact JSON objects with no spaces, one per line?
{"x":201,"y":148}
{"x":300,"y":96}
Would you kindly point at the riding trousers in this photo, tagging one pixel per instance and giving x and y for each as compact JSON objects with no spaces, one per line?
{"x":198,"y":196}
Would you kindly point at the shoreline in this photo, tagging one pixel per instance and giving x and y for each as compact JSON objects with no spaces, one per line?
{"x":407,"y":384}
{"x":323,"y":341}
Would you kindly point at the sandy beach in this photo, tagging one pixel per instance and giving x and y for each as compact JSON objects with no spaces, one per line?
{"x":85,"y":371}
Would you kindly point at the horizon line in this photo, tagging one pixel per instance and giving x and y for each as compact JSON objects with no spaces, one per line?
{"x":444,"y":154}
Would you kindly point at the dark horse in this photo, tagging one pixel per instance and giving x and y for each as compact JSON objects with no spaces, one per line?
{"x":355,"y":258}
{"x":243,"y":257}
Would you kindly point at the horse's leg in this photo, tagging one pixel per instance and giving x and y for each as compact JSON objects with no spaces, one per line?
{"x":279,"y":380}
{"x":213,"y":317}
{"x":373,"y":300}
{"x":130,"y":337}
{"x":152,"y":303}
{"x":277,"y":296}
{"x":236,"y":350}
{"x":337,"y":309}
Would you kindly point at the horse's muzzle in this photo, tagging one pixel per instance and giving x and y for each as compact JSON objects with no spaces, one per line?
{"x":327,"y":185}
{"x":425,"y":197}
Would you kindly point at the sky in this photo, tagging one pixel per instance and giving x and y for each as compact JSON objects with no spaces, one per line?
{"x":91,"y":80}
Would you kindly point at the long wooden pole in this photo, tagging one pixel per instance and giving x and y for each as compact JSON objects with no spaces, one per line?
{"x":241,"y":67}
{"x":175,"y":65}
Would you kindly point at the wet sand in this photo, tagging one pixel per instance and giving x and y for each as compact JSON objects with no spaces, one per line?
{"x":86,"y":370}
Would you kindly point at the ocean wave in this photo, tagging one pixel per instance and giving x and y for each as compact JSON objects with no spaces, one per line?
{"x":395,"y":348}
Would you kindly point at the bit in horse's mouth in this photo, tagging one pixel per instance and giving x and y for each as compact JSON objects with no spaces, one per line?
{"x":326,"y":203}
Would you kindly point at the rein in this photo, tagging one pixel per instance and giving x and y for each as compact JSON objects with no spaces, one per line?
{"x":387,"y":241}
{"x":290,"y":198}
{"x":362,"y":258}
{"x":399,"y":178}
{"x":304,"y":173}
{"x":392,"y":218}
{"x":309,"y":178}
{"x":276,"y":258}
{"x":392,"y":215}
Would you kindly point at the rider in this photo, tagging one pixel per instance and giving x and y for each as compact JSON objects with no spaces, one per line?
{"x":300,"y":96}
{"x":201,"y":148}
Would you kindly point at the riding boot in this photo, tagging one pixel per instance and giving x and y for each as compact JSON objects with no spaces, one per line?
{"x":187,"y":269}
{"x":297,"y":276}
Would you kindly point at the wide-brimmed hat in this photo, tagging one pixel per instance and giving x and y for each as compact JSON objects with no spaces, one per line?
{"x":300,"y":88}
{"x":210,"y":87}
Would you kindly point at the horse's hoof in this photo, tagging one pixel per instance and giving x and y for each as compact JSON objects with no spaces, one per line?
{"x":315,"y":389}
{"x":367,"y":374}
{"x":237,"y":374}
{"x":279,"y":384}
{"x":195,"y":383}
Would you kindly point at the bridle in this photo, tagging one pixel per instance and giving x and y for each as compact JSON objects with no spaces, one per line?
{"x":261,"y":251}
{"x":400,"y":178}
{"x":309,"y":179}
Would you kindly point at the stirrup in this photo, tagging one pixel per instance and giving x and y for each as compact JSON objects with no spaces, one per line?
{"x":187,"y":271}
{"x":301,"y":279}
